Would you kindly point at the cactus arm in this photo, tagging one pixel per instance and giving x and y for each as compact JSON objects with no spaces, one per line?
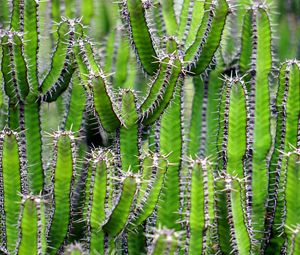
{"x":62,"y":82}
{"x":31,"y":41}
{"x":63,"y":174}
{"x":292,"y":219}
{"x":75,"y":109}
{"x":129,"y":133}
{"x":190,"y":20}
{"x":134,"y":14}
{"x":67,"y":32}
{"x":235,"y":123}
{"x":109,"y":51}
{"x":184,"y":23}
{"x":11,"y":88}
{"x":197,"y":16}
{"x":170,"y":141}
{"x":147,"y":170}
{"x":120,"y":213}
{"x":247,"y":44}
{"x":276,"y":207}
{"x":123,"y":57}
{"x":210,"y":44}
{"x":4,"y":15}
{"x":242,"y":236}
{"x":86,"y":60}
{"x":8,"y":69}
{"x":81,"y":64}
{"x":157,"y":85}
{"x":234,"y":216}
{"x":168,"y":11}
{"x":58,"y":56}
{"x":152,"y":114}
{"x":261,"y":140}
{"x":197,"y":208}
{"x":17,"y":16}
{"x":286,"y":139}
{"x":32,"y":234}
{"x":233,"y":150}
{"x":90,"y":56}
{"x":34,"y":146}
{"x":200,"y":56}
{"x":286,"y":129}
{"x":198,"y":111}
{"x":101,"y":92}
{"x":12,"y":185}
{"x":97,"y":203}
{"x":222,"y":216}
{"x":20,"y":67}
{"x":104,"y":104}
{"x":159,"y":24}
{"x":149,"y":196}
{"x":212,"y":109}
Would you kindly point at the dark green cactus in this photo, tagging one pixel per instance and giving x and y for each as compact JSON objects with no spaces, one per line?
{"x":185,"y":143}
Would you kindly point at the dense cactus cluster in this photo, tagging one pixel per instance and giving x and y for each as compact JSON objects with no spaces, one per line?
{"x":149,"y":127}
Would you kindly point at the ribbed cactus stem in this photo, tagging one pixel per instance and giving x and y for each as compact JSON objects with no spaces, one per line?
{"x":68,"y":31}
{"x":32,"y":238}
{"x":259,"y":137}
{"x":153,"y":177}
{"x":200,"y":208}
{"x":236,"y":218}
{"x":130,"y":133}
{"x":209,"y":35}
{"x":292,"y":219}
{"x":104,"y":103}
{"x":13,"y":183}
{"x":118,"y":216}
{"x":97,"y":207}
{"x":63,"y":170}
{"x":74,"y":110}
{"x":166,"y":92}
{"x":288,"y":109}
{"x":171,"y":142}
{"x":134,"y":17}
{"x":32,"y":42}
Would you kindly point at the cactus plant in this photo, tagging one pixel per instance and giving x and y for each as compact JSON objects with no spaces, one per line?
{"x":149,"y":127}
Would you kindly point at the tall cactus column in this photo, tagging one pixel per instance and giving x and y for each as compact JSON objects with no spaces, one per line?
{"x":259,"y":137}
{"x":12,"y":183}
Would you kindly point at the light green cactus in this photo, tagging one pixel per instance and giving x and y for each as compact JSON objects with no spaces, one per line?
{"x":185,"y":143}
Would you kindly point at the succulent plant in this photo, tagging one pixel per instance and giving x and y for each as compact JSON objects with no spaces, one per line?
{"x":149,"y":127}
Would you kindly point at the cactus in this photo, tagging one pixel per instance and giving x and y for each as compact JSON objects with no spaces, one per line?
{"x":178,"y":132}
